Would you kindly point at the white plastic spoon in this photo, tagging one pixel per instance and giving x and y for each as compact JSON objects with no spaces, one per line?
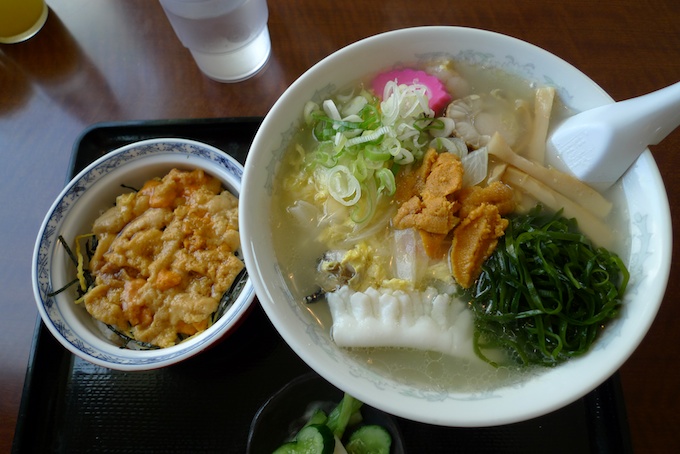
{"x":600,"y":144}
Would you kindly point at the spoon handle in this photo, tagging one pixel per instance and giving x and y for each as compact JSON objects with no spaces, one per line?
{"x":598,"y":145}
{"x":654,"y":115}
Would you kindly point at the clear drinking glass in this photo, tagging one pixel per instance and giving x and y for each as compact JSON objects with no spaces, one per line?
{"x":229,"y":39}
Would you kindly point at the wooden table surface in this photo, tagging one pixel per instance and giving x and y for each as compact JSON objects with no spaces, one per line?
{"x":110,"y":60}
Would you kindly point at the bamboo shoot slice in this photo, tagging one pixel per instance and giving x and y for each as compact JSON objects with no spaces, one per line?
{"x":571,"y":188}
{"x":591,"y":226}
{"x":542,"y":111}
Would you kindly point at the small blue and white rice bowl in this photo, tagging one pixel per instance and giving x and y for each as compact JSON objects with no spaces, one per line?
{"x":87,"y":196}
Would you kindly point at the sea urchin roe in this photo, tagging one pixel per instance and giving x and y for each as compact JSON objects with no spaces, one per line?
{"x":165,"y":255}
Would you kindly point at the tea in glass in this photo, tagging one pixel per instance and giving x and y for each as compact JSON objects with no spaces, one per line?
{"x":21,"y":19}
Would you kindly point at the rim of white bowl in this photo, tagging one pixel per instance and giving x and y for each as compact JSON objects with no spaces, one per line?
{"x":430,"y":409}
{"x":182,"y":152}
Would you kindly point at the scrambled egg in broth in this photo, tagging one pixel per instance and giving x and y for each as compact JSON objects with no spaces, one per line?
{"x":165,"y":255}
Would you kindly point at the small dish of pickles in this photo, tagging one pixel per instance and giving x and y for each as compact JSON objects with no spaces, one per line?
{"x":310,"y":415}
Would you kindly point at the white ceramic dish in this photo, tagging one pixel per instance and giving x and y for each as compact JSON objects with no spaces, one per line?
{"x":85,"y":197}
{"x":646,"y":206}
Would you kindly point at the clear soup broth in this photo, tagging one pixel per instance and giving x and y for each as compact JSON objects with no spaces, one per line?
{"x":301,"y":237}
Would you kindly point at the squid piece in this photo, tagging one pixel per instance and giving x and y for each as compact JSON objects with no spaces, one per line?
{"x":425,"y":320}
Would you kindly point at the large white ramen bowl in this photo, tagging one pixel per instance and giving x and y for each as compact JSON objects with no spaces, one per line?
{"x":83,"y":199}
{"x":645,"y":207}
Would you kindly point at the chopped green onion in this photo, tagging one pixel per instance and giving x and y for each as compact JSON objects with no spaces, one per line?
{"x":368,"y":136}
{"x":375,"y":153}
{"x":451,"y":144}
{"x":363,"y":210}
{"x":355,"y":105}
{"x":360,"y":139}
{"x":387,"y":181}
{"x":359,"y":168}
{"x":442,"y":127}
{"x":343,"y":185}
{"x":331,"y":109}
{"x":310,"y":108}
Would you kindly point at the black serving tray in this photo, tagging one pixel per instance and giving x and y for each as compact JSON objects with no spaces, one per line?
{"x":206,"y":404}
